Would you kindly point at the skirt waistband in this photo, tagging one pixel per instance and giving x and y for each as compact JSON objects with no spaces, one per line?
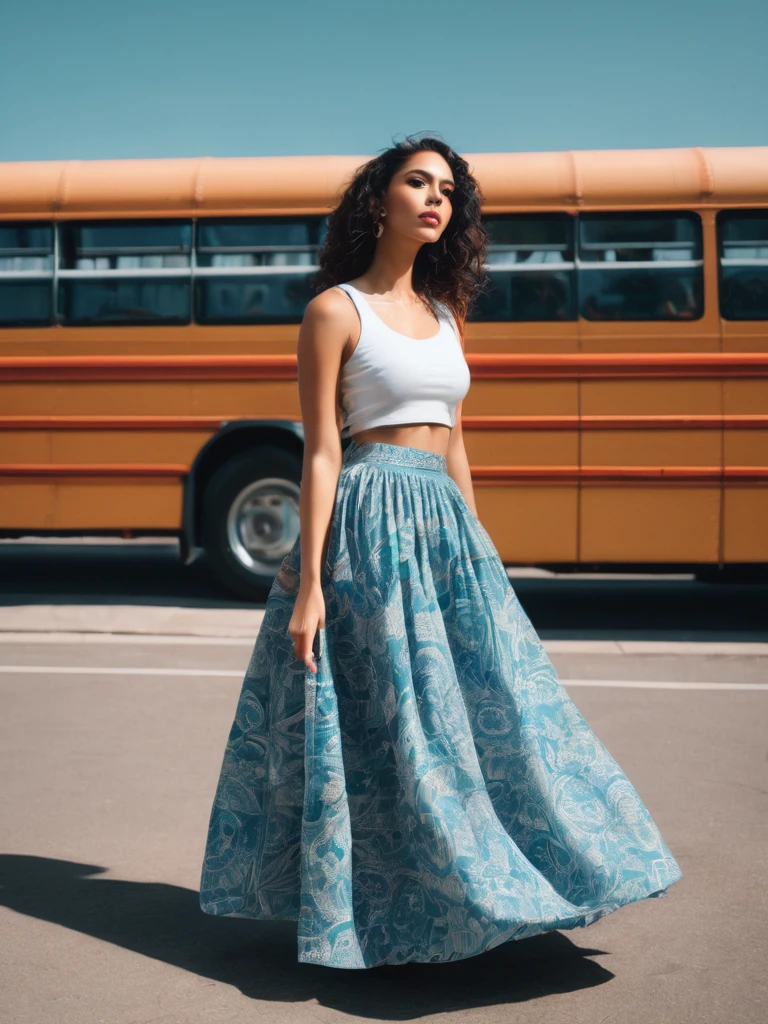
{"x":394,"y":454}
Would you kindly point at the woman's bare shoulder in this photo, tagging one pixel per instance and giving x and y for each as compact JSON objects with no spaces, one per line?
{"x":328,"y":323}
{"x":331,"y":304}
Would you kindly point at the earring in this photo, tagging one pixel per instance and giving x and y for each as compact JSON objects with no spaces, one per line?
{"x":378,"y":227}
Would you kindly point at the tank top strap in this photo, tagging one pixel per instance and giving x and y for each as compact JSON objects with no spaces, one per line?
{"x":364,"y":311}
{"x":367,"y":316}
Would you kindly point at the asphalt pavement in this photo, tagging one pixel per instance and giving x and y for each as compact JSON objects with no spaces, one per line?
{"x":116,"y":705}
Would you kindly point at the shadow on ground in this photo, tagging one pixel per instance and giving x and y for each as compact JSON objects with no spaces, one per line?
{"x":259,"y":958}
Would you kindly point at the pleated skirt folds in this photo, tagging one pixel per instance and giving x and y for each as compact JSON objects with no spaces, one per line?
{"x":433,"y":791}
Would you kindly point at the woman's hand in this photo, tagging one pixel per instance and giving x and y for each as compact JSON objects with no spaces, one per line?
{"x":308,"y":617}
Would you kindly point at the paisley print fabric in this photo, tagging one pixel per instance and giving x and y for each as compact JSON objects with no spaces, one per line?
{"x":433,"y":792}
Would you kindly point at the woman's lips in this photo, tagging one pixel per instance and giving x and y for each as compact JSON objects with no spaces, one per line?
{"x":430,"y":218}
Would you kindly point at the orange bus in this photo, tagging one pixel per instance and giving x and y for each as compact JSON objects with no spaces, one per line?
{"x":149,"y":312}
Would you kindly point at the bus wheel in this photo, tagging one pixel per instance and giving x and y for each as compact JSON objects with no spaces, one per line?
{"x":250,"y":518}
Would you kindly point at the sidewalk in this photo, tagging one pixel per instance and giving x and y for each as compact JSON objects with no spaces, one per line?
{"x":81,"y":622}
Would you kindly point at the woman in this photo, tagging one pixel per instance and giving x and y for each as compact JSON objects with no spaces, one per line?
{"x":405,"y":776}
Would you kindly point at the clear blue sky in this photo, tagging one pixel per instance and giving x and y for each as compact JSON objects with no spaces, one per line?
{"x":149,"y":78}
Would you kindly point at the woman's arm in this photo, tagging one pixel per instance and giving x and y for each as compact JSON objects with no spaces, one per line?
{"x":324,"y":333}
{"x":458,"y":463}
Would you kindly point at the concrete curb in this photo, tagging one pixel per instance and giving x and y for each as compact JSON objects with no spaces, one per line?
{"x":239,"y":626}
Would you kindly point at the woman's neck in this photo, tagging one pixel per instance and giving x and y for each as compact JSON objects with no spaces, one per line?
{"x":391,"y":270}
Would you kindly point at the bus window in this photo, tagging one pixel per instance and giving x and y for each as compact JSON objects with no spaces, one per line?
{"x":530,"y":261}
{"x":125,"y":272}
{"x":743,"y":247}
{"x":640,"y":266}
{"x":255,"y":270}
{"x":26,"y":275}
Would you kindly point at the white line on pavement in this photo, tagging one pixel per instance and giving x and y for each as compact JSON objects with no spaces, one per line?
{"x":91,"y":670}
{"x":701,"y":648}
{"x":108,"y":670}
{"x":180,"y":639}
{"x":655,"y":684}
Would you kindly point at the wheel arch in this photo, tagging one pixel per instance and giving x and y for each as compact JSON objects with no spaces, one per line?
{"x":231,"y":439}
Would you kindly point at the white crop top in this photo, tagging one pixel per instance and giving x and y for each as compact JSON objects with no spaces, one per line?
{"x":392,"y":378}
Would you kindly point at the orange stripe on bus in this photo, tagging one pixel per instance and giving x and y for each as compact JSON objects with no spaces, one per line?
{"x":597,"y":365}
{"x":746,"y":421}
{"x":173,"y":470}
{"x":272,"y":367}
{"x":482,"y":366}
{"x":629,"y":422}
{"x":120,"y":422}
{"x":583,"y":474}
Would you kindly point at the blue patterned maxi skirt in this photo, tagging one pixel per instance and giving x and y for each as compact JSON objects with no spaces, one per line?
{"x":433,"y":792}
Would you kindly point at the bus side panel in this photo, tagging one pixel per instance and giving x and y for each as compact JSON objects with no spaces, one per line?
{"x":94,"y":447}
{"x":531,"y":523}
{"x":120,"y":472}
{"x":225,"y":398}
{"x":529,"y":520}
{"x":745,"y":504}
{"x":745,"y":336}
{"x":81,"y":504}
{"x":746,"y":516}
{"x":666,"y":517}
{"x":651,"y":523}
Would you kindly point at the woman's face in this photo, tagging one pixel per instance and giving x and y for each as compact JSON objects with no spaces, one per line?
{"x":418,"y":200}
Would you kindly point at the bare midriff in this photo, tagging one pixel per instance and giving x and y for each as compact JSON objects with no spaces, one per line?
{"x":430,"y":437}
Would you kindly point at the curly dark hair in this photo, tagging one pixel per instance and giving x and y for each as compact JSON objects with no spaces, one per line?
{"x":451,"y":269}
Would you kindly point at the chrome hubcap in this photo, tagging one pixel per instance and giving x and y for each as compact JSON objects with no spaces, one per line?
{"x":263,"y":523}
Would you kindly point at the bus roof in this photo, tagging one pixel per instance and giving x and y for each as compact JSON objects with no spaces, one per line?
{"x":209,"y":186}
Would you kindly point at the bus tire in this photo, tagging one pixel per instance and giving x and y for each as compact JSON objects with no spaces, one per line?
{"x":250,"y":518}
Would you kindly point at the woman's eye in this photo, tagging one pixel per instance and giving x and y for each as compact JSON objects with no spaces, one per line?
{"x":419,"y":181}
